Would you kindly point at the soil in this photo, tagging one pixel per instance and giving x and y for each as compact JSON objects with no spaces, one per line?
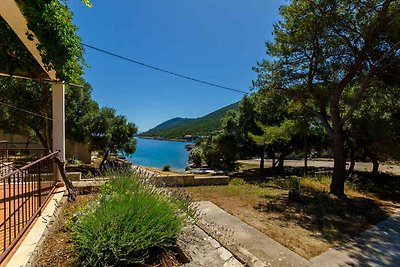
{"x":309,"y":227}
{"x":58,"y":248}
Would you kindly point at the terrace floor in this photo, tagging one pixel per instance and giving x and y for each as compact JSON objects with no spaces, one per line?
{"x":18,"y":204}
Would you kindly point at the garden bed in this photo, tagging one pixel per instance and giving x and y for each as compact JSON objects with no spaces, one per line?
{"x":58,"y":248}
{"x":126,"y":223}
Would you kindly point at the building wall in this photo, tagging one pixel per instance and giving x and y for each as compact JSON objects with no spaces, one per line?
{"x":80,"y":150}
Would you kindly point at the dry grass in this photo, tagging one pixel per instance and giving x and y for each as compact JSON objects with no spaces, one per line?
{"x":308,"y":228}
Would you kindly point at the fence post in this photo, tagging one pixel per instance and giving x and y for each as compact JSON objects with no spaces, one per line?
{"x":40,"y":188}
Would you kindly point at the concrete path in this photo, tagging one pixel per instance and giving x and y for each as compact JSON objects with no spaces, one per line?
{"x":378,"y":246}
{"x":203,"y":250}
{"x":245,"y":242}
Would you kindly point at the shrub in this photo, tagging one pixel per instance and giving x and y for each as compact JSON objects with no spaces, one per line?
{"x":126,"y":221}
{"x":294,"y":183}
{"x":73,"y":160}
{"x":237,"y":181}
{"x":195,"y":156}
{"x":166,"y":168}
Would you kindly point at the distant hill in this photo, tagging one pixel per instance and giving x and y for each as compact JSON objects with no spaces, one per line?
{"x":177,"y":128}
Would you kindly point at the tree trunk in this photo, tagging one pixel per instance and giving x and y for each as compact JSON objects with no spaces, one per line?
{"x":103,"y":161}
{"x":262,"y":159}
{"x":273,"y":160}
{"x":305,"y":154}
{"x":339,"y":167}
{"x":28,"y":141}
{"x":281,"y":160}
{"x":375,"y":165}
{"x":42,"y":140}
{"x":68,"y":183}
{"x":352,"y":161}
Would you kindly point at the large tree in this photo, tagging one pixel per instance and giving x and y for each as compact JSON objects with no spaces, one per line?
{"x":112,"y":133}
{"x":374,"y":131}
{"x":326,"y":54}
{"x":25,"y":108}
{"x":61,"y":50}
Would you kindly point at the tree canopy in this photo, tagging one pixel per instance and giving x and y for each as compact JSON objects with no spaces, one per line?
{"x":59,"y":45}
{"x":326,"y":54}
{"x":112,"y":133}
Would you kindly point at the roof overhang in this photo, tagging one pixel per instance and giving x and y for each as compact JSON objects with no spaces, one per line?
{"x":12,"y":14}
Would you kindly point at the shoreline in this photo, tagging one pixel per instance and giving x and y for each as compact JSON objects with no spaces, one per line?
{"x":164,"y":139}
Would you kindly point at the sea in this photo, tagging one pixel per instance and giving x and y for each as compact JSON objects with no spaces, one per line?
{"x":158,"y":153}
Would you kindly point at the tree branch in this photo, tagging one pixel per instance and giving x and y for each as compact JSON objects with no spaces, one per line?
{"x":365,"y":81}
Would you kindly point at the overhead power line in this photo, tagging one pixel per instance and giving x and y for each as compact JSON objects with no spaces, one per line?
{"x":27,"y":111}
{"x":164,"y":70}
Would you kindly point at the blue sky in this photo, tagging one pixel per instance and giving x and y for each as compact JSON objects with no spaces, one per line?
{"x":217,"y":41}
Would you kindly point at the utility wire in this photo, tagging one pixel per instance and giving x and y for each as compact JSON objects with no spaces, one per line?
{"x":164,"y":70}
{"x":27,"y":111}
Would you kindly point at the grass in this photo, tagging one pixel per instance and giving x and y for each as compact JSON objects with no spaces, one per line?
{"x":308,"y":228}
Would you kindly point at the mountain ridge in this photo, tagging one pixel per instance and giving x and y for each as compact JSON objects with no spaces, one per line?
{"x":178,"y":127}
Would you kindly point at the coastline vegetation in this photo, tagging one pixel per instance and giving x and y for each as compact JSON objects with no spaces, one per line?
{"x":178,"y":128}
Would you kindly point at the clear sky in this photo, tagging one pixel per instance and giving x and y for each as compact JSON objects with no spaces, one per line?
{"x":214,"y":40}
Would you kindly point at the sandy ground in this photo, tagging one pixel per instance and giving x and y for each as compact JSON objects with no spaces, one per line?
{"x":328,"y":163}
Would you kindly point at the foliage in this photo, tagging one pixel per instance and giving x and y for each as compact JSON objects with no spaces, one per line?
{"x":125,"y":222}
{"x":177,"y":128}
{"x":61,"y":50}
{"x":195,"y":156}
{"x":73,"y":160}
{"x":272,"y":134}
{"x":80,"y":111}
{"x":59,"y":45}
{"x":166,"y":168}
{"x":33,"y":97}
{"x":14,"y":57}
{"x":220,"y":150}
{"x":112,"y":133}
{"x":294,"y":183}
{"x":375,"y":128}
{"x":326,"y":54}
{"x":237,"y":181}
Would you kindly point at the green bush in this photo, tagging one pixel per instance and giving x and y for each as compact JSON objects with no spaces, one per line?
{"x":294,"y":183}
{"x":73,"y":160}
{"x":237,"y":181}
{"x":125,"y":222}
{"x":166,"y":168}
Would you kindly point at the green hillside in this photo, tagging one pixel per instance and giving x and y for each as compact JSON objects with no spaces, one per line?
{"x":177,"y":128}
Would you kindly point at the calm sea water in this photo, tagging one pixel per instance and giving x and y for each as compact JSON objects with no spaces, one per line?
{"x":157,"y":153}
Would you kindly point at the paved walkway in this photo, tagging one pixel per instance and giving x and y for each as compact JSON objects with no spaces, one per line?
{"x":245,"y":242}
{"x":203,"y":250}
{"x":378,"y":246}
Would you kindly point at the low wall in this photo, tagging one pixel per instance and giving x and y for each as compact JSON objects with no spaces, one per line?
{"x":190,"y":180}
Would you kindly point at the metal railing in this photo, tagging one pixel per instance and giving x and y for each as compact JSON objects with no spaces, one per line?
{"x":23,"y":194}
{"x":15,"y":155}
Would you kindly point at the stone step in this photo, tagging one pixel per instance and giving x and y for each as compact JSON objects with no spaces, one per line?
{"x":245,"y":242}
